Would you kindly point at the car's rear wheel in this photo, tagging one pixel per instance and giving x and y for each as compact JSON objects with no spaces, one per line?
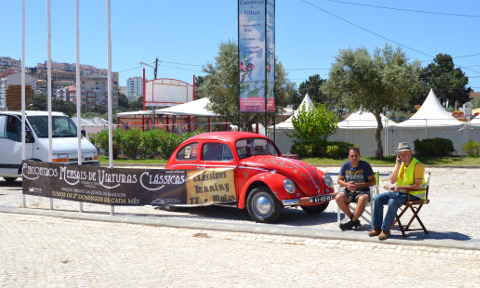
{"x":10,"y":179}
{"x":263,"y":206}
{"x":315,"y":209}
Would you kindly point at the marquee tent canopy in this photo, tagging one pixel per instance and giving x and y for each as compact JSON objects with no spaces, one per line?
{"x":361,"y":120}
{"x":431,"y":113}
{"x":192,"y":108}
{"x":287,"y":124}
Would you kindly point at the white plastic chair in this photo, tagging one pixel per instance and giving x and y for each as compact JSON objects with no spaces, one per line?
{"x":374,"y":190}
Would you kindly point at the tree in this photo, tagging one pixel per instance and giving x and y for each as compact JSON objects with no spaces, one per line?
{"x":136,"y":104}
{"x":313,"y":86}
{"x":447,"y":81}
{"x":39,"y":102}
{"x":317,"y":121}
{"x":373,"y":83}
{"x":123,"y":104}
{"x":220,"y":84}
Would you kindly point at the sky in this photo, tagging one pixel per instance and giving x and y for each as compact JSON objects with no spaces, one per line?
{"x":185,"y":34}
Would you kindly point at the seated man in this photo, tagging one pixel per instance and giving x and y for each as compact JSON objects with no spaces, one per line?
{"x":408,"y":176}
{"x":356,"y":176}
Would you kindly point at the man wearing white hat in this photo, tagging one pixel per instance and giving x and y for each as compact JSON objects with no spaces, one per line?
{"x":408,"y":176}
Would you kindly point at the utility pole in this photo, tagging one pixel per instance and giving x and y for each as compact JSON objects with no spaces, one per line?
{"x":155,"y":69}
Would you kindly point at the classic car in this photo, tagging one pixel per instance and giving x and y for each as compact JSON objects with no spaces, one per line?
{"x":265,"y":181}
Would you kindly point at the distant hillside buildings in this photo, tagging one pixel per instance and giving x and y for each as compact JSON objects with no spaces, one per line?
{"x":94,"y":86}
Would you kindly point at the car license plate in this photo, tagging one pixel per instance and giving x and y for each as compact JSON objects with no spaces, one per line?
{"x":322,"y":198}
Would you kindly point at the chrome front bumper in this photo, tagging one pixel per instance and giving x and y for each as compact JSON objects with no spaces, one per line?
{"x":307,"y":200}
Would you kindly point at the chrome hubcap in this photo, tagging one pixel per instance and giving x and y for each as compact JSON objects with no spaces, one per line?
{"x":263,"y":205}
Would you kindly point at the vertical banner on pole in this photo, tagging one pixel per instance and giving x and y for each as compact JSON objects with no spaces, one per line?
{"x":270,"y":58}
{"x":253,"y":55}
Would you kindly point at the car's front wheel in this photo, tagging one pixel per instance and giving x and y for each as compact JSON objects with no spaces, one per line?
{"x":315,"y":209}
{"x":263,"y":206}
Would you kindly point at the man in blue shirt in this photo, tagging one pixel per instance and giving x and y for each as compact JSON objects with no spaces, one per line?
{"x":356,"y":176}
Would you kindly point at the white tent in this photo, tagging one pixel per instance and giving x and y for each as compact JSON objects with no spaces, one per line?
{"x":93,"y":125}
{"x":430,"y":121}
{"x":192,"y":108}
{"x":431,"y":113}
{"x":361,"y":119}
{"x":360,"y":128}
{"x":287,"y":124}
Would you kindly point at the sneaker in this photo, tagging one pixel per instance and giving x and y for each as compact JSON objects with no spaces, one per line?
{"x":346,"y":225}
{"x":375,"y":232}
{"x":357,"y":225}
{"x":384,"y":235}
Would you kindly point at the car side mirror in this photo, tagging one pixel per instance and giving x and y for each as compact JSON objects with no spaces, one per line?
{"x":29,"y":137}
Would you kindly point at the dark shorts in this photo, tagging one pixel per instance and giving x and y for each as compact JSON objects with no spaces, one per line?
{"x":353,"y":196}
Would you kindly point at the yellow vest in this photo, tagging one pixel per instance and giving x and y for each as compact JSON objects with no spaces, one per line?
{"x":408,"y":179}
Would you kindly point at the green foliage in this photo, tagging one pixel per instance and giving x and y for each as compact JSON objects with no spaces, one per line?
{"x":373,"y":83}
{"x":472,"y":148}
{"x":314,"y":124}
{"x":448,"y":82}
{"x":151,"y":141}
{"x":101,"y":140}
{"x":433,"y":147}
{"x":476,"y":102}
{"x":131,"y":140}
{"x":338,"y":149}
{"x":39,"y":102}
{"x":313,"y":86}
{"x":312,"y":128}
{"x":221,"y":84}
{"x":92,"y":137}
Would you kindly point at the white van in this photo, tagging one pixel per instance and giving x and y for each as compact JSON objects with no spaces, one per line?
{"x":64,"y":141}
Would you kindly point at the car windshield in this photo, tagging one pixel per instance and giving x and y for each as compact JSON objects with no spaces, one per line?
{"x":62,"y":126}
{"x":255,"y":146}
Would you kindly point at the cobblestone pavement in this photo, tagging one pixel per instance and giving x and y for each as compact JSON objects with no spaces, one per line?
{"x":39,"y":251}
{"x":223,"y":247}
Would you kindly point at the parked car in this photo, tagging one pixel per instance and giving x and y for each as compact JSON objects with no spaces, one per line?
{"x":265,"y":181}
{"x":64,"y":141}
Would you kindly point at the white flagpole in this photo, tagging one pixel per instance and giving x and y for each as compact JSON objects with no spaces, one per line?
{"x":49,"y":84}
{"x":78,"y":91}
{"x":110,"y":128}
{"x":23,"y":82}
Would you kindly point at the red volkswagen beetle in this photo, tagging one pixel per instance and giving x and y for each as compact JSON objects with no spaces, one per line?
{"x":265,"y":181}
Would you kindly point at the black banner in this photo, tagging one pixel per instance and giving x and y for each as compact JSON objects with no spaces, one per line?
{"x":128,"y":186}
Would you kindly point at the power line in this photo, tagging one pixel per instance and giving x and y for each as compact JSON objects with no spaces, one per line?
{"x":376,"y":34}
{"x":406,"y":10}
{"x":366,"y":30}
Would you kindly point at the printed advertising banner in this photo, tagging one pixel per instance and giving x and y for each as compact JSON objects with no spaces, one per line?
{"x":256,"y":48}
{"x":128,"y":186}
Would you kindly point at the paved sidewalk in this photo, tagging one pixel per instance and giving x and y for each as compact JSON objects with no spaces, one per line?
{"x":40,"y":251}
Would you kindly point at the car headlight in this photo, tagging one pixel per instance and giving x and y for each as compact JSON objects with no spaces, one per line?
{"x":328,"y":180}
{"x":62,"y":157}
{"x":289,"y":186}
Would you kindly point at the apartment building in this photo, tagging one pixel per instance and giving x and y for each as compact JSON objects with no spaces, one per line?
{"x":95,"y":90}
{"x":134,"y":88}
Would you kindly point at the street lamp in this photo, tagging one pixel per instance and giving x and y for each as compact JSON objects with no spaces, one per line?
{"x":154,"y":68}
